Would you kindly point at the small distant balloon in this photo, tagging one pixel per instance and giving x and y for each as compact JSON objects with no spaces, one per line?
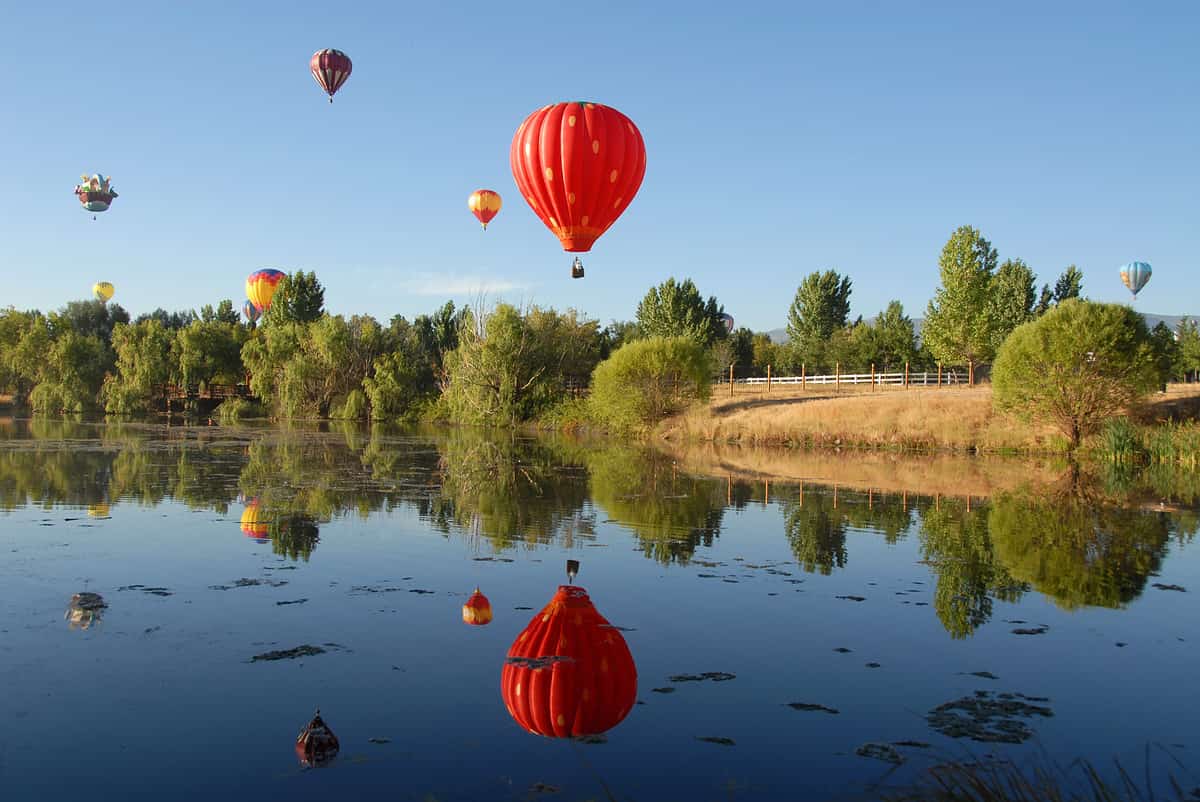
{"x":103,"y":291}
{"x":316,"y":745}
{"x":251,"y":312}
{"x":484,"y":204}
{"x":330,"y":68}
{"x":1135,"y":275}
{"x":726,"y":321}
{"x":478,"y":610}
{"x":261,"y":285}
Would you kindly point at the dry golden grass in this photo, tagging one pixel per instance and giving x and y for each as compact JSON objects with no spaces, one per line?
{"x":959,"y":419}
{"x":930,"y":474}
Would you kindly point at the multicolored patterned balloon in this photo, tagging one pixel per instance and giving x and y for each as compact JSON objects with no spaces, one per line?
{"x":95,"y":193}
{"x":251,"y":312}
{"x":261,"y":285}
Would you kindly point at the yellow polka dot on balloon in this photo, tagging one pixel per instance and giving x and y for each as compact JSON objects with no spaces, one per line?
{"x":571,"y":121}
{"x":590,"y":105}
{"x":528,"y":149}
{"x":595,"y":146}
{"x":612,"y":177}
{"x":546,"y":618}
{"x":554,"y":223}
{"x":518,"y":689}
{"x":617,"y":202}
{"x":584,"y":221}
{"x":562,"y":722}
{"x":570,"y":197}
{"x":549,"y":174}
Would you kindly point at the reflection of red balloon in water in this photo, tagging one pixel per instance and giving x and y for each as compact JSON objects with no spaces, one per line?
{"x":570,"y":672}
{"x":316,"y":744}
{"x":478,"y":610}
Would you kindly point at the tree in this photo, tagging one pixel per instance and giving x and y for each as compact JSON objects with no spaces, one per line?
{"x":299,"y":298}
{"x":90,"y":318}
{"x":144,"y":363}
{"x":1166,"y":352}
{"x":210,"y":352}
{"x":1044,"y":301}
{"x":1011,"y":299}
{"x":1069,"y":284}
{"x":1188,"y":363}
{"x":741,"y":344}
{"x":676,"y":309}
{"x":766,"y":353}
{"x":1075,"y":366}
{"x":821,"y":307}
{"x":895,"y":339}
{"x":170,"y":320}
{"x":647,"y":380}
{"x":224,"y":313}
{"x":958,"y":322}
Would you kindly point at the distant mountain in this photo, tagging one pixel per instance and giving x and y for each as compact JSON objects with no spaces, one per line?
{"x":1152,"y":320}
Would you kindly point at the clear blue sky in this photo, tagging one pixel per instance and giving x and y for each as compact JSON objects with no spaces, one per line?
{"x":781,"y":138}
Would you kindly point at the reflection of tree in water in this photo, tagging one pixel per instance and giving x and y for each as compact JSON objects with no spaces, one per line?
{"x":1077,"y":552}
{"x":956,"y":543}
{"x":511,"y":490}
{"x":294,"y":536}
{"x":670,"y":514}
{"x":816,"y":520}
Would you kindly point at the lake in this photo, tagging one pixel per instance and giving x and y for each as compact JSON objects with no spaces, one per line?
{"x":792,"y":639}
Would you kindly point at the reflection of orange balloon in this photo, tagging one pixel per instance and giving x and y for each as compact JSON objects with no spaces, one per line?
{"x":570,"y":672}
{"x":316,"y":744}
{"x":253,"y":522}
{"x":478,"y":610}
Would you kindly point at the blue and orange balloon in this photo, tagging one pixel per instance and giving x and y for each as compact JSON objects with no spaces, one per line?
{"x":251,"y":312}
{"x":261,"y":286}
{"x":1135,"y":275}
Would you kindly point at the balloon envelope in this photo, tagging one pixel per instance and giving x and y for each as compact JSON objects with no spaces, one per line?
{"x":484,"y":204}
{"x":330,"y":68}
{"x":95,"y":192}
{"x":251,"y":312}
{"x":1135,"y":275}
{"x":578,"y":166}
{"x":103,"y":291}
{"x":727,"y":322}
{"x":260,"y":287}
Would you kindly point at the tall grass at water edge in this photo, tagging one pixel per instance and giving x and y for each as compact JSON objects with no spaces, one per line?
{"x":1169,"y":443}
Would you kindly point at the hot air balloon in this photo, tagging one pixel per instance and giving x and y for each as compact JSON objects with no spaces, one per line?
{"x":254,"y":523}
{"x":570,"y":672}
{"x":726,"y":321}
{"x":316,"y":744}
{"x":331,"y":68}
{"x":478,"y":610}
{"x":578,"y":166}
{"x":1135,"y":275}
{"x":95,"y":193}
{"x":84,"y":610}
{"x":260,"y":287}
{"x":103,"y":291}
{"x":251,"y":312}
{"x":484,"y":204}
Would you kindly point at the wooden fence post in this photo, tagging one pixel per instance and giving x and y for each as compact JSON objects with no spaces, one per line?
{"x":971,"y":373}
{"x":768,"y":378}
{"x":939,"y":384}
{"x":803,"y":378}
{"x":837,"y":383}
{"x":731,"y":380}
{"x":872,"y":377}
{"x":905,"y":375}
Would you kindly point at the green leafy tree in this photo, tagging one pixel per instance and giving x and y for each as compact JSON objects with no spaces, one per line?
{"x":224,"y":313}
{"x":619,"y":332}
{"x":1076,"y":366}
{"x":676,"y":309}
{"x":1011,"y":297}
{"x":91,"y":318}
{"x":171,"y":320}
{"x":1188,"y":363}
{"x":741,"y":343}
{"x":438,"y":335}
{"x":1044,"y":302}
{"x":958,"y":322}
{"x":765,"y":352}
{"x":144,"y":364}
{"x":299,"y":298}
{"x":895,"y":340}
{"x":820,"y":308}
{"x":1166,"y":352}
{"x":394,"y":387}
{"x":646,"y":380}
{"x":1069,"y":285}
{"x":210,"y":352}
{"x":71,"y":374}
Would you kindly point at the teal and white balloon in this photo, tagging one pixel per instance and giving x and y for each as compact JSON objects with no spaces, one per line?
{"x":1135,"y":275}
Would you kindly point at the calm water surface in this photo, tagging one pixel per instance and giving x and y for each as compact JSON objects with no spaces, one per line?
{"x":213,"y":546}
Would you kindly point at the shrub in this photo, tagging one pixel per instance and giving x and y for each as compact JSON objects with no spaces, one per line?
{"x":1076,"y":366}
{"x":648,"y":380}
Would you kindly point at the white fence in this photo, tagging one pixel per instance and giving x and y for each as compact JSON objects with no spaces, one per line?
{"x":924,"y":378}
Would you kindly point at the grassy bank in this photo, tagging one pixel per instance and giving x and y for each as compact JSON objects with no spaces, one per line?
{"x":933,"y":420}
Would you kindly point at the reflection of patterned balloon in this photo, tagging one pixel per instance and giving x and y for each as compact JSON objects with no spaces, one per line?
{"x":1134,"y":276}
{"x":578,"y":166}
{"x":570,"y":673}
{"x":484,"y":204}
{"x":251,"y":312}
{"x":260,"y":287}
{"x":254,"y":524}
{"x":330,"y":68}
{"x":478,"y":610}
{"x":103,"y":291}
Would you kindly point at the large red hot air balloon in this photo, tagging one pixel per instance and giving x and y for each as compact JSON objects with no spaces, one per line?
{"x":570,"y":673}
{"x":331,"y":68}
{"x":578,"y":166}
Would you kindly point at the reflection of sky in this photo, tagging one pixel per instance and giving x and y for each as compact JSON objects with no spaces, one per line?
{"x":160,"y":696}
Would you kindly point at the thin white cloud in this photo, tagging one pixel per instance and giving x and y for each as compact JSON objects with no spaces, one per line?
{"x":441,"y":285}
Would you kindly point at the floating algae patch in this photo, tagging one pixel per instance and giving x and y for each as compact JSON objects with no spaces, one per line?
{"x":305,"y":650}
{"x":989,"y":717}
{"x":877,"y":751}
{"x":715,"y":676}
{"x":249,"y":583}
{"x":809,"y":706}
{"x":712,"y":739}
